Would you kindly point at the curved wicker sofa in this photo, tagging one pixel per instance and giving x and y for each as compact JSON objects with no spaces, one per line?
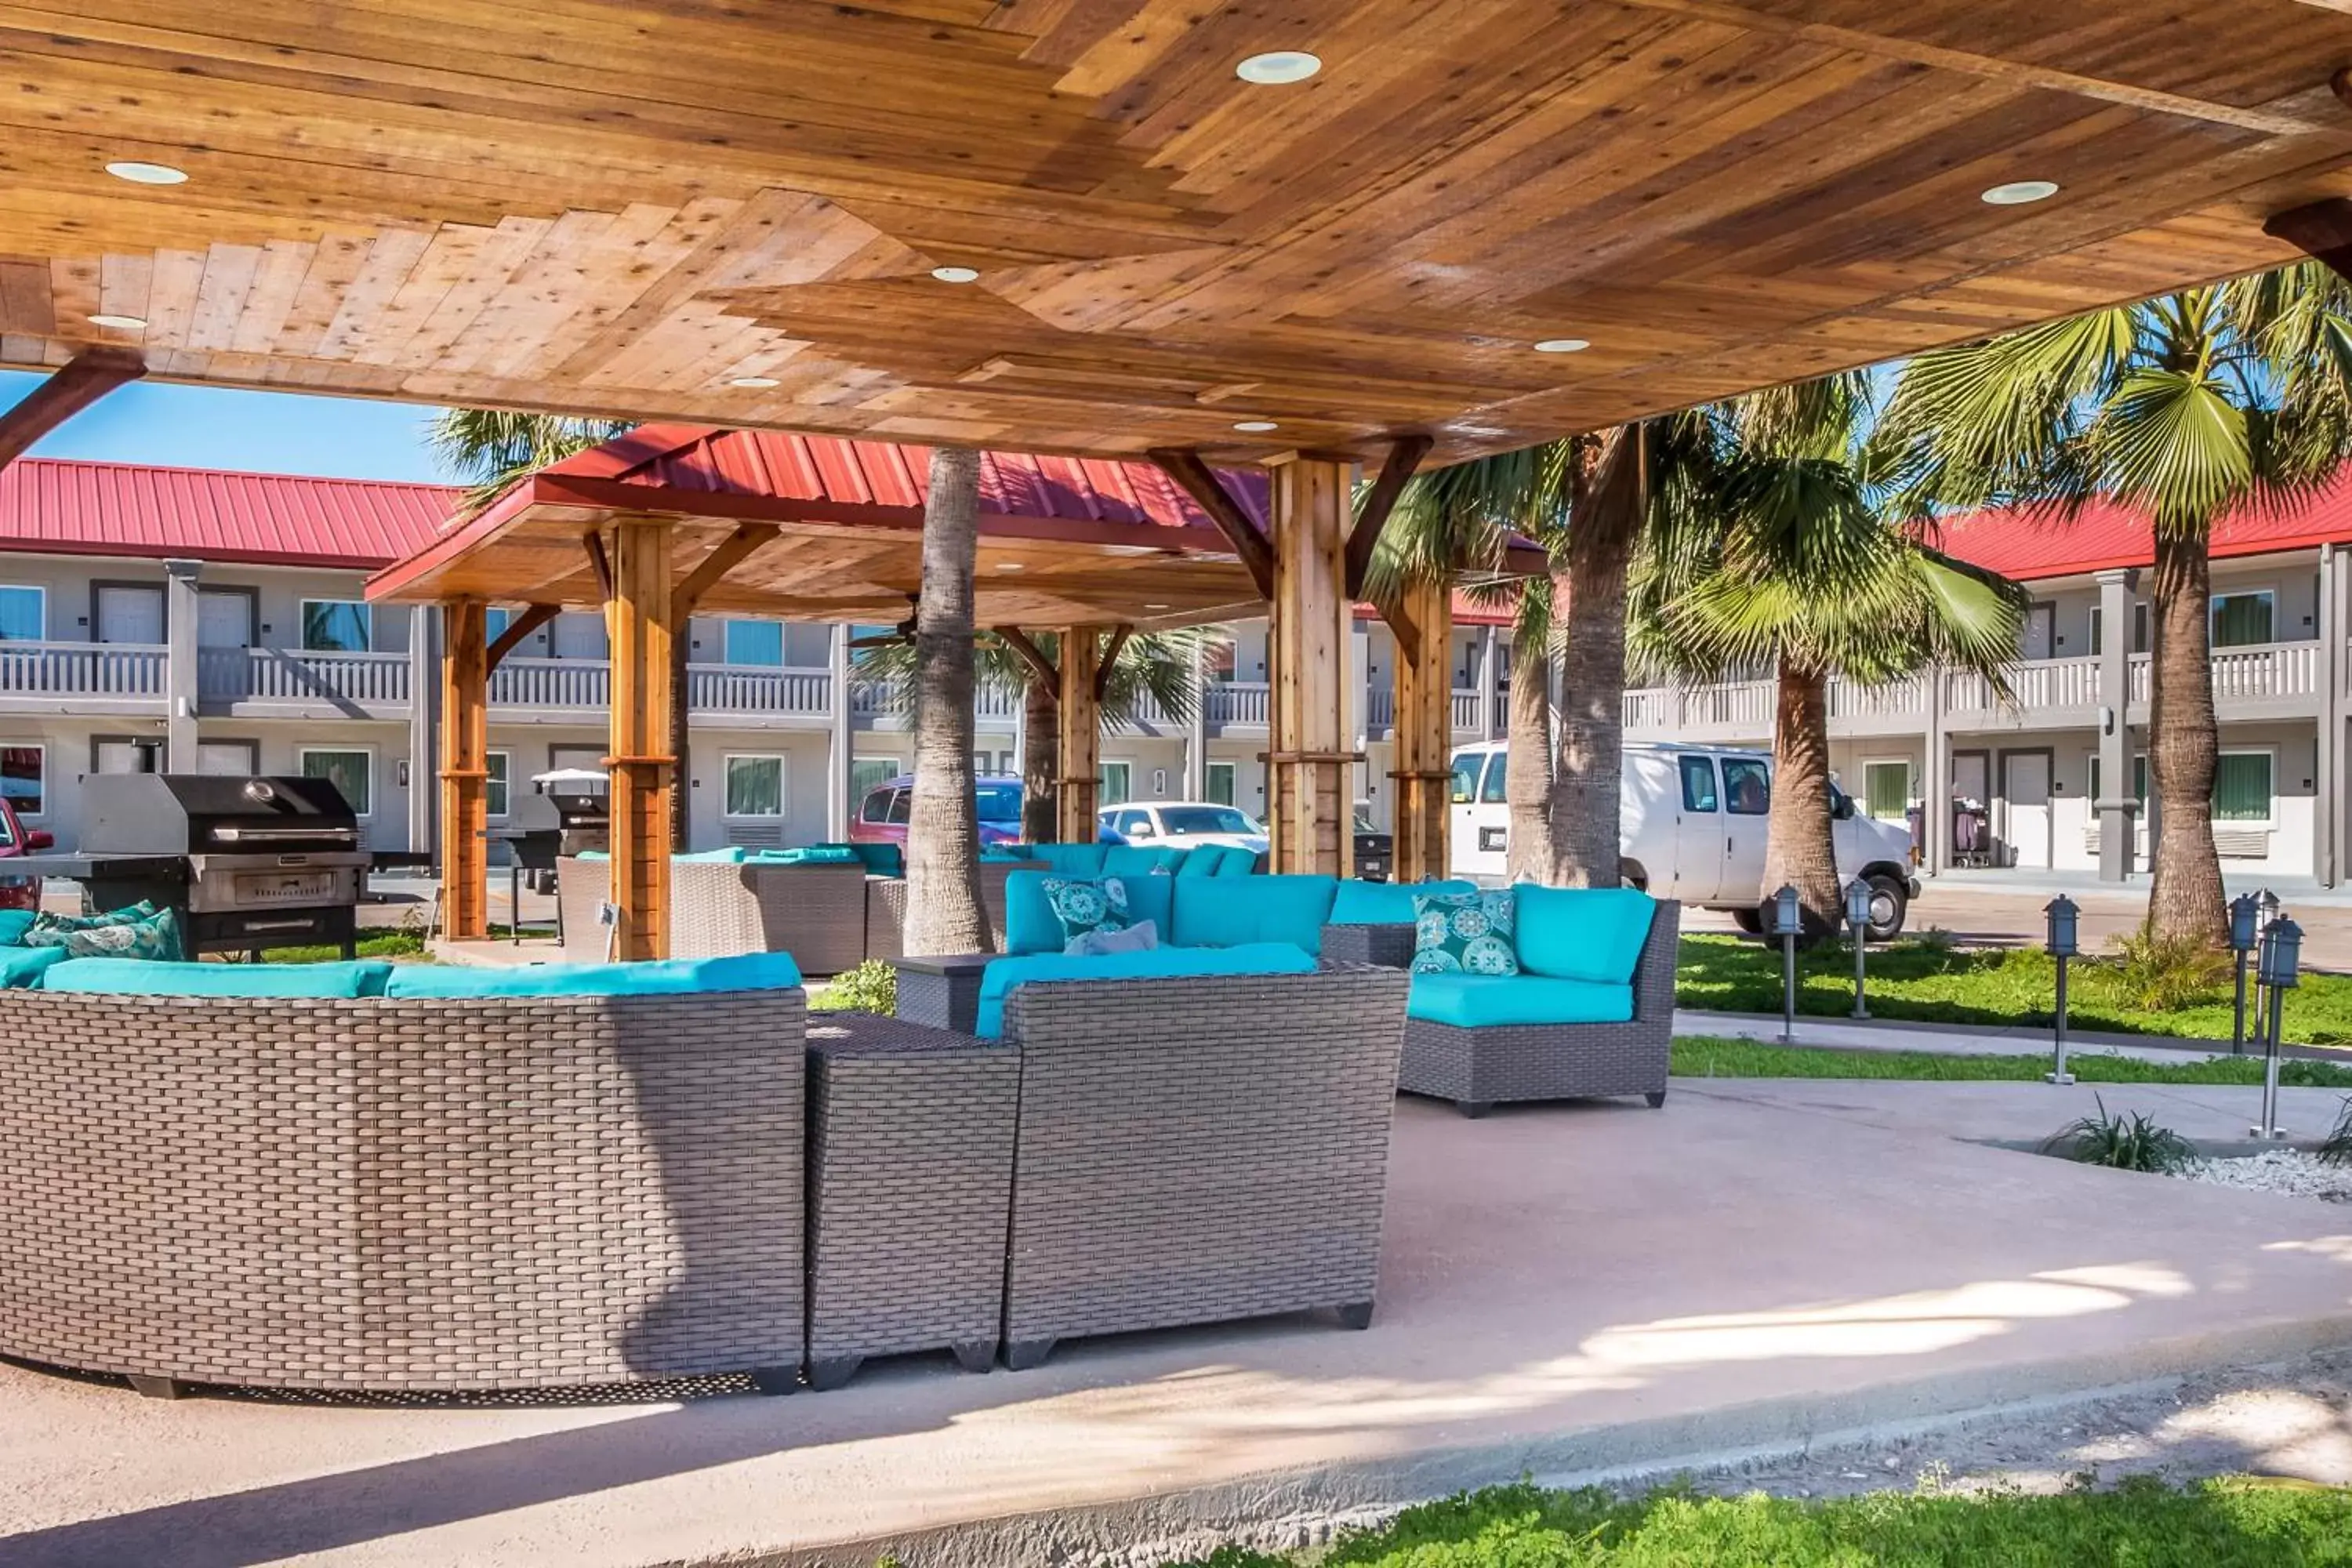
{"x":402,"y":1195}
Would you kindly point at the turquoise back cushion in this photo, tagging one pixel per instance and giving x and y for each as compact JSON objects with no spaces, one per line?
{"x":809,"y":855}
{"x":1001,"y":977}
{"x":1139,"y":860}
{"x":1274,"y":909}
{"x":734,"y":855}
{"x":1070,"y":859}
{"x":147,"y":977}
{"x":1237,"y":862}
{"x":22,"y":966}
{"x":1361,"y":903}
{"x":659,"y":977}
{"x":1030,"y":925}
{"x":14,"y":923}
{"x":997,"y":851}
{"x":883,"y":859}
{"x":1487,"y":1001}
{"x":1582,"y":933}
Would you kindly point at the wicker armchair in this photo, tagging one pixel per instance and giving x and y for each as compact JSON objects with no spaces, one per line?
{"x":1197,"y":1150}
{"x":377,"y":1195}
{"x":815,"y":912}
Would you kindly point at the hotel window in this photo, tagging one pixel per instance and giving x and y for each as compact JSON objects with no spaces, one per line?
{"x":24,"y":615}
{"x":1116,"y":780}
{"x":351,"y":772}
{"x":2240,"y":620}
{"x":1220,"y":782}
{"x":755,"y":642}
{"x":755,"y":786}
{"x":496,"y":790}
{"x":865,"y":773}
{"x":336,"y":626}
{"x":22,"y":769}
{"x":2139,"y":780}
{"x":1887,"y":790}
{"x":2242,"y":787}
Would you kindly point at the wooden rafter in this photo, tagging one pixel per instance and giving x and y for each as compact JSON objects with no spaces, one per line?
{"x":1111,"y":650}
{"x":730,"y":552}
{"x":599,"y":564}
{"x":520,"y":628}
{"x":2321,"y":230}
{"x":1404,"y":456}
{"x":1200,"y":481}
{"x":82,"y":381}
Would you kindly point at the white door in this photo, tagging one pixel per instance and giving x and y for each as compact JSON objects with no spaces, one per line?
{"x":224,"y":620}
{"x":577,"y":636}
{"x":1746,"y":819}
{"x":2025,"y":788}
{"x":131,"y":614}
{"x":1701,"y":840}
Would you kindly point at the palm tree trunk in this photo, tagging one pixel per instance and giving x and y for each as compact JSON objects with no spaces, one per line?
{"x":2184,"y":744}
{"x":1588,"y":600}
{"x":1041,"y":760}
{"x":943,"y":908}
{"x":1528,"y":782}
{"x":1799,"y":842}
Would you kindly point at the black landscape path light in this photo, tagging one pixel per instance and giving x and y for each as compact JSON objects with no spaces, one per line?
{"x":2282,"y":955}
{"x":2064,"y":921}
{"x":2245,"y":935}
{"x":1788,"y":920}
{"x":1858,"y":895}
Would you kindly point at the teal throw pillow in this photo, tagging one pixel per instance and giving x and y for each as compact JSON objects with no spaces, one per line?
{"x":142,"y":911}
{"x":1086,"y":907}
{"x":155,"y":936}
{"x":1463,"y":934}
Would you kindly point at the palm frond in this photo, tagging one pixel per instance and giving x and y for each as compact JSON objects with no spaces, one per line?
{"x":490,"y":448}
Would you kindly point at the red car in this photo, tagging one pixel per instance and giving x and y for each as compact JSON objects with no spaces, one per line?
{"x":881,"y":817}
{"x":17,"y":839}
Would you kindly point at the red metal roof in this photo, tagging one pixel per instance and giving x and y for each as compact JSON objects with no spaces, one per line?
{"x":59,"y":507}
{"x":2103,"y":536}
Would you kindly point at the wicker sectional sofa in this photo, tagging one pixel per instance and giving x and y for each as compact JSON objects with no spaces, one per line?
{"x":815,"y":912}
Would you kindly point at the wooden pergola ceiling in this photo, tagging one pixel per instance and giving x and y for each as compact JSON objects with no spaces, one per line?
{"x":590,"y":205}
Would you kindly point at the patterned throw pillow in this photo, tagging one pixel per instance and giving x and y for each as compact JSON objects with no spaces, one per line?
{"x":1084,"y":906}
{"x":1463,"y":934}
{"x":142,"y":911}
{"x":155,"y":935}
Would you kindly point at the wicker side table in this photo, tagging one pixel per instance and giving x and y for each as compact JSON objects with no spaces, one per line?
{"x":942,"y":992}
{"x":910,"y":1181}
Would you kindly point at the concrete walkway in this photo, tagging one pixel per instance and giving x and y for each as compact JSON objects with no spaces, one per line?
{"x":2016,"y":1040}
{"x":1757,"y":1266}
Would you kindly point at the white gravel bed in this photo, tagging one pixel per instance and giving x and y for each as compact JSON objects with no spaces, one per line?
{"x":2289,"y":1170}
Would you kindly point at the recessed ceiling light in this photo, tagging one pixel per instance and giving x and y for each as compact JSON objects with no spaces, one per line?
{"x":1562,"y":346}
{"x":2018,"y":193}
{"x":1155,"y":606}
{"x":1278,"y":68}
{"x":1009,"y":566}
{"x":753,"y":381}
{"x":1256,"y":427}
{"x":140,"y":173}
{"x":956,"y":274}
{"x":122,"y":323}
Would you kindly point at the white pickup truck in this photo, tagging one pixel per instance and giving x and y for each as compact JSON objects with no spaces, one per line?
{"x":1693,"y":821}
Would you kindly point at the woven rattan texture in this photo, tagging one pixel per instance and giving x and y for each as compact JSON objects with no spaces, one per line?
{"x":1558,"y":1061}
{"x":1389,"y":946}
{"x":816,"y":913}
{"x":910,"y":1168}
{"x":381,"y":1194}
{"x":1197,"y":1150}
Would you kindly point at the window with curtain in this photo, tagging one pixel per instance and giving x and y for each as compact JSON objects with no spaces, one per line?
{"x":2139,"y":779}
{"x":1115,"y":784}
{"x":865,"y":773}
{"x":2240,"y":620}
{"x":2242,"y":787}
{"x":1887,"y":790}
{"x":335,"y":625}
{"x":755,"y":786}
{"x":353,"y":773}
{"x":1220,"y":782}
{"x":496,"y":792}
{"x":755,"y":642}
{"x":21,"y":772}
{"x":24,"y":615}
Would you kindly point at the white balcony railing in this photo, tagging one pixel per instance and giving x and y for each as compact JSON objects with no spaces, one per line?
{"x":1242,"y":702}
{"x":293,"y":675}
{"x":551,"y":683}
{"x":114,"y":672}
{"x":745,"y":688}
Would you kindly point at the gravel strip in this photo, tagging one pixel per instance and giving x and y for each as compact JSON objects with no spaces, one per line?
{"x":2289,"y":1170}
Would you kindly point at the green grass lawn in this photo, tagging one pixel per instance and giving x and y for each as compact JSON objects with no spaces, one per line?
{"x":2238,"y":1524}
{"x":1701,"y":1056}
{"x":1925,"y":981}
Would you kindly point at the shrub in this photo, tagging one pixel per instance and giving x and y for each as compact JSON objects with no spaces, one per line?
{"x":2336,"y":1149}
{"x":871,"y":988}
{"x":2130,"y":1142}
{"x":1935,"y":942}
{"x":2165,"y":973}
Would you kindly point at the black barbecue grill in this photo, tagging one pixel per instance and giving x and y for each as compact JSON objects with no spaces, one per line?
{"x":247,"y":863}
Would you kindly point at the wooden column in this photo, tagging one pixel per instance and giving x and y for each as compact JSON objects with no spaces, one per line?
{"x":1423,"y":625}
{"x":1310,"y":765}
{"x":639,"y":617}
{"x":1078,"y":788}
{"x":465,"y":771}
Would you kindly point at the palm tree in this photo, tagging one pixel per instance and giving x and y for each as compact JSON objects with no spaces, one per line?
{"x":944,"y":913}
{"x":1777,"y":545}
{"x":490,"y":448}
{"x":2188,"y":408}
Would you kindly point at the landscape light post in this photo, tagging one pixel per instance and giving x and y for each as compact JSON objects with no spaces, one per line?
{"x":1788,"y":918}
{"x":2266,"y":910}
{"x":2063,"y":917}
{"x":1857,"y":917}
{"x":2281,"y":954}
{"x":2245,"y":919}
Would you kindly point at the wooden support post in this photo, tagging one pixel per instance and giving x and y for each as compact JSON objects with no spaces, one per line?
{"x":1310,"y":765}
{"x":1079,"y":787}
{"x":1423,"y":625}
{"x":640,"y":618}
{"x":465,"y":771}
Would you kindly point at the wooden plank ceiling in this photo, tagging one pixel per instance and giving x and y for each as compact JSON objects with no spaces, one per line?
{"x":629,"y":206}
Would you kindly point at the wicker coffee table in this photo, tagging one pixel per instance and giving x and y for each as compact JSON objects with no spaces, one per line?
{"x":942,"y":992}
{"x":910,"y":1179}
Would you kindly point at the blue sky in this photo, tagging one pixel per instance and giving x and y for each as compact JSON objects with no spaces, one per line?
{"x":214,"y":428}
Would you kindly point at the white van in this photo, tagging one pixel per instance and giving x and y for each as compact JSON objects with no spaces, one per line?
{"x":1693,"y":821}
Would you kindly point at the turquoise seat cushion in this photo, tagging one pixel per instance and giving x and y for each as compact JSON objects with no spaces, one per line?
{"x":1361,"y":903}
{"x":21,"y":966}
{"x":1139,"y":860}
{"x":885,"y":860}
{"x":734,"y":855}
{"x":14,"y":923}
{"x":1160,"y":962}
{"x":1583,"y":933}
{"x":592,"y":855}
{"x":1032,"y":926}
{"x":1276,"y":909}
{"x":659,"y":977}
{"x":1487,"y":1001}
{"x":143,"y":977}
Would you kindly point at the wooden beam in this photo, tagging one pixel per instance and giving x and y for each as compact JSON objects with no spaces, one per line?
{"x":731,"y":552}
{"x":1024,"y":648}
{"x":1079,"y":788}
{"x":2322,"y":230}
{"x":465,"y":771}
{"x":1424,"y":732}
{"x":1200,"y":481}
{"x":1404,"y":456}
{"x":519,"y":628}
{"x":1310,"y":758}
{"x":1118,"y":644}
{"x":641,"y":760}
{"x":600,"y":565}
{"x":80,"y":382}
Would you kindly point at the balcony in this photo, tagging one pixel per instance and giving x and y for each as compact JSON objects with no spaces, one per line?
{"x":82,"y":678}
{"x":291,"y":683}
